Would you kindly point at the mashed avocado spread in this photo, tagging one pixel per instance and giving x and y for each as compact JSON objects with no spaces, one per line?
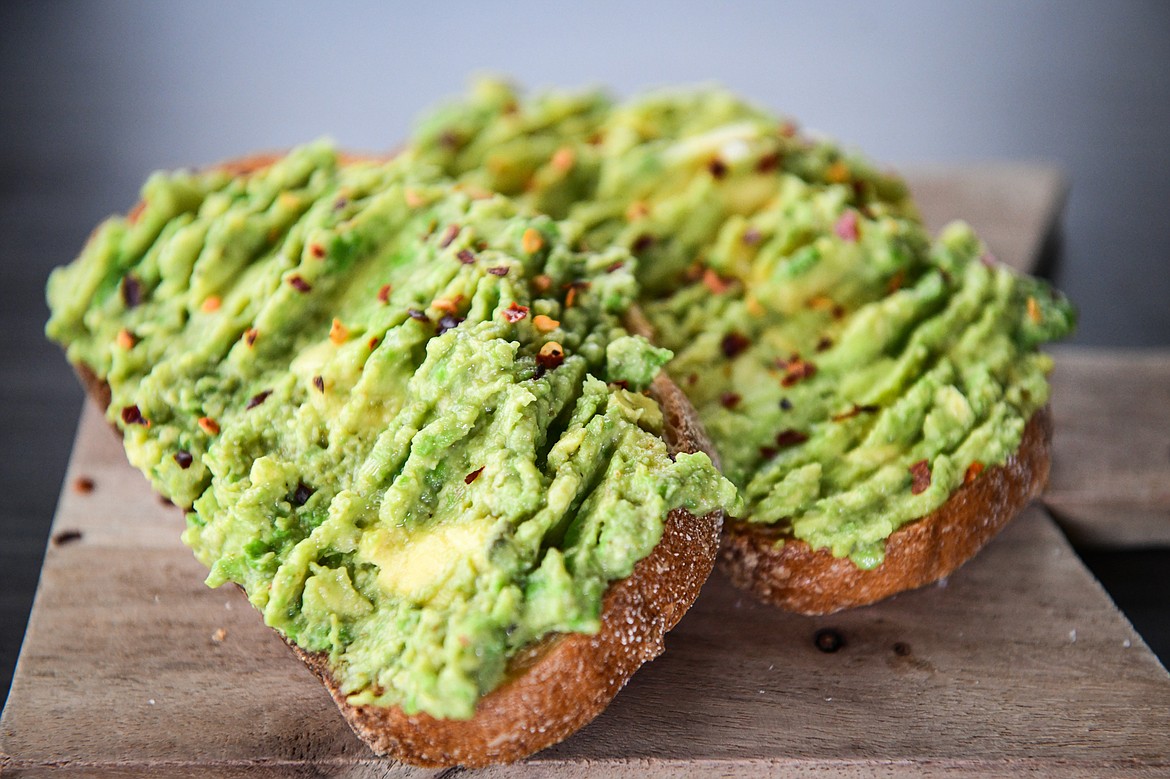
{"x":402,"y":414}
{"x":851,"y":373}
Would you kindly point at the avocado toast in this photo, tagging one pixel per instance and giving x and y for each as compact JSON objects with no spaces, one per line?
{"x":406,"y":421}
{"x":878,"y":398}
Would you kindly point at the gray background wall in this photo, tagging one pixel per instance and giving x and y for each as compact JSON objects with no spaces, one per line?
{"x":95,"y":95}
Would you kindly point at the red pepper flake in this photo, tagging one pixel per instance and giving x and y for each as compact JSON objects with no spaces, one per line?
{"x":132,"y":416}
{"x":734,"y":344}
{"x":465,"y":256}
{"x":302,"y":494}
{"x":84,"y":485}
{"x":131,"y":290}
{"x":642,"y":243}
{"x":838,"y":311}
{"x":729,"y":399}
{"x":372,"y":343}
{"x":531,"y":241}
{"x":449,"y":235}
{"x":752,"y":236}
{"x":451,"y":306}
{"x":500,"y":270}
{"x":920,"y":471}
{"x":717,"y":168}
{"x":211,"y":304}
{"x":972,"y":472}
{"x":854,"y":412}
{"x":319,"y":383}
{"x":796,"y":370}
{"x":768,"y":163}
{"x":896,"y":281}
{"x":768,"y":452}
{"x":257,"y":399}
{"x":250,"y":336}
{"x":846,"y":227}
{"x":692,"y":379}
{"x":616,"y":266}
{"x":1034,"y":310}
{"x":563,"y":159}
{"x":338,"y":333}
{"x":449,"y":322}
{"x":542,"y":283}
{"x":298,"y":283}
{"x":714,"y":282}
{"x":340,"y":203}
{"x":790,"y":437}
{"x":126,"y":339}
{"x":136,"y":212}
{"x":317,"y":250}
{"x":515,"y":312}
{"x":417,"y":315}
{"x":384,"y":293}
{"x":469,"y":478}
{"x":209,"y":425}
{"x":550,"y":356}
{"x":825,"y":344}
{"x":184,"y":459}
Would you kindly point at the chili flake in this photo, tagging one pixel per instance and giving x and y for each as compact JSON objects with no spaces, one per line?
{"x":372,"y":343}
{"x":972,"y":472}
{"x":499,"y":270}
{"x":449,"y":235}
{"x":714,"y":282}
{"x":319,"y":383}
{"x":338,"y":332}
{"x":768,"y":452}
{"x":846,"y":227}
{"x":184,"y":459}
{"x":867,"y":409}
{"x":790,"y":437}
{"x":550,"y":356}
{"x":299,"y":284}
{"x":796,"y":370}
{"x":545,"y":324}
{"x":615,"y":266}
{"x":920,"y":472}
{"x":717,"y":168}
{"x":563,"y":159}
{"x":752,"y":236}
{"x":896,"y":281}
{"x":642,"y":243}
{"x":317,"y":250}
{"x":417,"y":315}
{"x":729,"y":400}
{"x":1034,"y":310}
{"x":542,"y":283}
{"x":257,"y":399}
{"x":302,"y":494}
{"x":449,"y":322}
{"x":384,"y":293}
{"x":469,"y":478}
{"x":734,"y":344}
{"x":131,"y":290}
{"x":768,"y":163}
{"x":465,"y":256}
{"x":132,"y":416}
{"x":515,"y":312}
{"x":210,"y":304}
{"x":825,"y":344}
{"x":126,"y":339}
{"x":532,"y":241}
{"x":250,"y":336}
{"x":209,"y":425}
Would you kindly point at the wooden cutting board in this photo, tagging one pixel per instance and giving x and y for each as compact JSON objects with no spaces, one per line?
{"x":131,"y":667}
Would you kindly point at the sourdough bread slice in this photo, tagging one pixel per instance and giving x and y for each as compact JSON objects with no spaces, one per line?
{"x":789,"y":573}
{"x":557,"y":685}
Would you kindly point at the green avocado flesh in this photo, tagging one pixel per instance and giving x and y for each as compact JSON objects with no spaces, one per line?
{"x":403,"y":415}
{"x":851,"y":373}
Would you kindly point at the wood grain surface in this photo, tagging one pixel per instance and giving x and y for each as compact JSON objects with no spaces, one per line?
{"x":1019,"y":663}
{"x":1110,"y":485}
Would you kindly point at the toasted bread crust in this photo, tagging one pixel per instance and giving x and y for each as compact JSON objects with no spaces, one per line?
{"x":798,"y":578}
{"x":557,"y":686}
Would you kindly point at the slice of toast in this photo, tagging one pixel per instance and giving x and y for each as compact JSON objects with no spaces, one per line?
{"x":789,"y":573}
{"x":556,"y":686}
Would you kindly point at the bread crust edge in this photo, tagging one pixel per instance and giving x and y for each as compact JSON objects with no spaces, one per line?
{"x":798,"y":578}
